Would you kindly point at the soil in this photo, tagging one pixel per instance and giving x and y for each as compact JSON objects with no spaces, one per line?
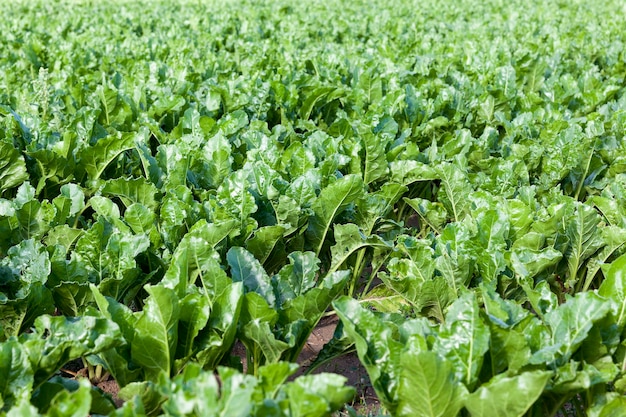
{"x":365,"y":401}
{"x":347,"y":365}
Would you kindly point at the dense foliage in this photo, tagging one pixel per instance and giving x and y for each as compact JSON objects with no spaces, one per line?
{"x":448,"y":177}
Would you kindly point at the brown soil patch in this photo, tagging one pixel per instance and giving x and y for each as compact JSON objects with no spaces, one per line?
{"x":347,"y":365}
{"x":111,"y":387}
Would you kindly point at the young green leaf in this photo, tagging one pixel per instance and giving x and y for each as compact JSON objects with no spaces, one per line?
{"x":507,"y":396}
{"x":12,"y":167}
{"x":244,"y":267}
{"x":331,"y":201}
{"x":156,"y":332}
{"x":428,"y":387}
{"x":464,"y":339}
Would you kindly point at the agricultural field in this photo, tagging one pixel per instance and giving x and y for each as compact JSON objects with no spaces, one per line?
{"x":188,"y":189}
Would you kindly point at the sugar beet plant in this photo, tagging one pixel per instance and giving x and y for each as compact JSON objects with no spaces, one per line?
{"x":449,"y":178}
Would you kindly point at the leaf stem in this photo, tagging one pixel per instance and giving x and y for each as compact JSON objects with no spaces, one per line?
{"x":357,"y":270}
{"x":373,"y":274}
{"x":584,"y":176}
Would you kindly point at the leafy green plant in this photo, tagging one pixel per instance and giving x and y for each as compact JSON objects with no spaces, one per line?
{"x":168,"y":192}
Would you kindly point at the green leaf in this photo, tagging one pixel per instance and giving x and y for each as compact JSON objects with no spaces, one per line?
{"x":507,"y":396}
{"x":217,"y":338}
{"x":349,"y":239}
{"x":12,"y":167}
{"x":72,"y":404}
{"x":375,"y":206}
{"x":428,"y":387}
{"x":584,"y":240}
{"x":408,"y":172}
{"x":69,"y":284}
{"x":378,"y":351}
{"x":62,"y":235}
{"x":17,"y":375}
{"x":201,"y":393}
{"x":527,"y":262}
{"x":456,"y":188}
{"x":614,"y":288}
{"x":432,"y":213}
{"x":407,"y":276}
{"x":383,"y":299}
{"x":23,"y":294}
{"x":195,"y":255}
{"x":493,"y":230}
{"x":264,"y":241}
{"x":244,"y":267}
{"x":95,"y":159}
{"x":541,"y":298}
{"x":375,"y":157}
{"x":132,"y":190}
{"x":236,"y":199}
{"x":141,"y":219}
{"x":156,"y":332}
{"x":614,"y":237}
{"x":65,"y":339}
{"x":317,"y":395}
{"x":332,"y":200}
{"x":455,"y":255}
{"x":320,"y":94}
{"x":308,"y":308}
{"x":508,"y":347}
{"x":615,"y":406}
{"x":194,"y":315}
{"x":569,"y":326}
{"x":144,"y":397}
{"x":298,"y":277}
{"x":46,"y":396}
{"x":464,"y":339}
{"x":69,"y":203}
{"x":257,"y":330}
{"x":435,"y":297}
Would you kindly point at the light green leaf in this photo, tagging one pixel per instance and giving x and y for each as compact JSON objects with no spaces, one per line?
{"x":332,"y":200}
{"x":65,"y":339}
{"x":95,"y":159}
{"x":408,"y":172}
{"x":584,"y":240}
{"x":378,"y":351}
{"x":298,"y":277}
{"x":432,"y":213}
{"x":614,"y":288}
{"x":464,"y":339}
{"x":614,"y":237}
{"x":156,"y":332}
{"x":264,"y":241}
{"x":349,"y":239}
{"x":456,"y":188}
{"x":12,"y":167}
{"x":17,"y":374}
{"x":375,"y":157}
{"x":569,"y":325}
{"x":507,"y":396}
{"x":132,"y":190}
{"x":428,"y":387}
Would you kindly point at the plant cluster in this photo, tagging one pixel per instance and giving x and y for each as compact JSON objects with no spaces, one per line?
{"x":449,"y":178}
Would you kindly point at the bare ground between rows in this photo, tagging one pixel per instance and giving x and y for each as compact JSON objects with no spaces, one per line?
{"x":348,"y":365}
{"x":365,"y":401}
